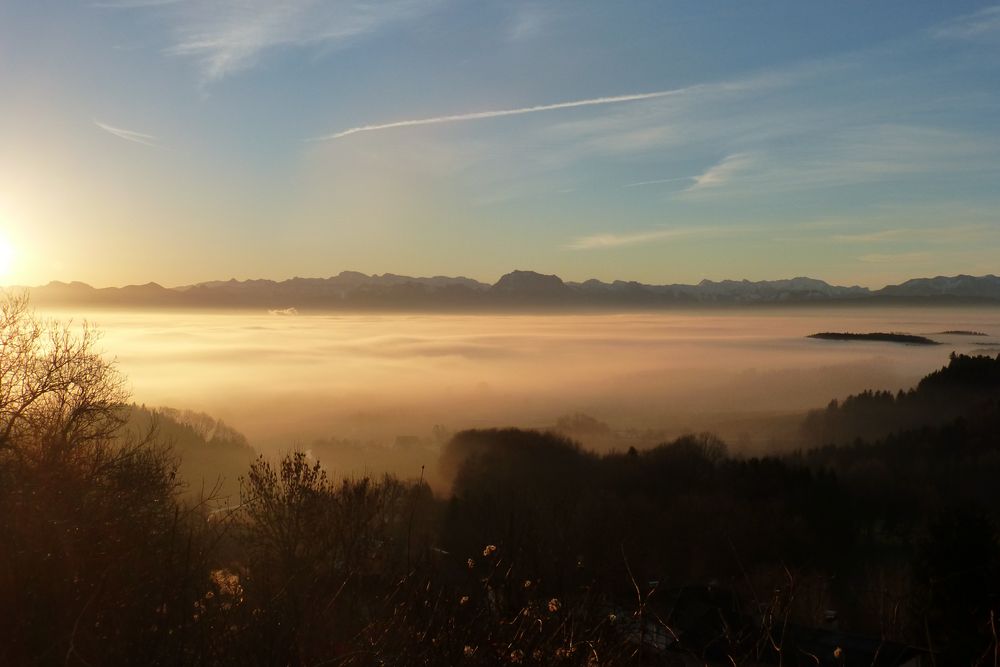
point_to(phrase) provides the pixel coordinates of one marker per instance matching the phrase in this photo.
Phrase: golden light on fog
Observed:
(284, 378)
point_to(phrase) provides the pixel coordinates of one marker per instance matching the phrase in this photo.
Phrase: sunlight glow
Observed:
(6, 258)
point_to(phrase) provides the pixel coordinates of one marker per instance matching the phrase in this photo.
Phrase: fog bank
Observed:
(364, 381)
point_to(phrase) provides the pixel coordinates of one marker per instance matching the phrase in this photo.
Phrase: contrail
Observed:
(658, 181)
(129, 135)
(480, 115)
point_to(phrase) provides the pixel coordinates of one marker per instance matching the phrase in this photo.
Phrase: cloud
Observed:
(868, 237)
(971, 26)
(528, 21)
(719, 174)
(886, 258)
(949, 235)
(227, 36)
(129, 135)
(498, 113)
(613, 240)
(134, 4)
(776, 129)
(859, 155)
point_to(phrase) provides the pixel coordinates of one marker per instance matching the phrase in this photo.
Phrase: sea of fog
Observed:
(288, 380)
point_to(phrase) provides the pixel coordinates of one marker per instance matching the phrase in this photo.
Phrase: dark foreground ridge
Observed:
(909, 339)
(517, 290)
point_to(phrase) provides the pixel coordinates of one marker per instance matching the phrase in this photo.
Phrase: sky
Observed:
(664, 141)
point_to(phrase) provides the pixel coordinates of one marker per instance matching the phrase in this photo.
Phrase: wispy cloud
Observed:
(129, 135)
(719, 174)
(498, 113)
(528, 21)
(868, 237)
(951, 234)
(860, 155)
(227, 36)
(885, 258)
(615, 240)
(134, 4)
(971, 26)
(753, 136)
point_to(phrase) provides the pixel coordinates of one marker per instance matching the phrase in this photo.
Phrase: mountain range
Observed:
(351, 290)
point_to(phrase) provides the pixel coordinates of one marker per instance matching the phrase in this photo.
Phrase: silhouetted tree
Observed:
(89, 569)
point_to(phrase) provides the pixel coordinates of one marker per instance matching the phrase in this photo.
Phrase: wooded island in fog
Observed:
(516, 290)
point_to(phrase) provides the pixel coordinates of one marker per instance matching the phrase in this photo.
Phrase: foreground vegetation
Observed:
(542, 553)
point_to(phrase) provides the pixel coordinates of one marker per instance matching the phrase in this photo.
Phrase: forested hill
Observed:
(968, 385)
(211, 456)
(894, 536)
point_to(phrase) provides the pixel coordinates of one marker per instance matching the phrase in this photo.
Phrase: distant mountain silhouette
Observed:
(528, 287)
(351, 290)
(987, 287)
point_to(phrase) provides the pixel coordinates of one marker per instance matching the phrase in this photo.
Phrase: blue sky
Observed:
(179, 141)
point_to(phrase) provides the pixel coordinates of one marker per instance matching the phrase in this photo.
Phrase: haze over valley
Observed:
(288, 380)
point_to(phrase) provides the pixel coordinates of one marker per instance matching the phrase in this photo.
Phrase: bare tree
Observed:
(98, 560)
(58, 397)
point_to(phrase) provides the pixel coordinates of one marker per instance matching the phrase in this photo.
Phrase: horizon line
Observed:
(153, 283)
